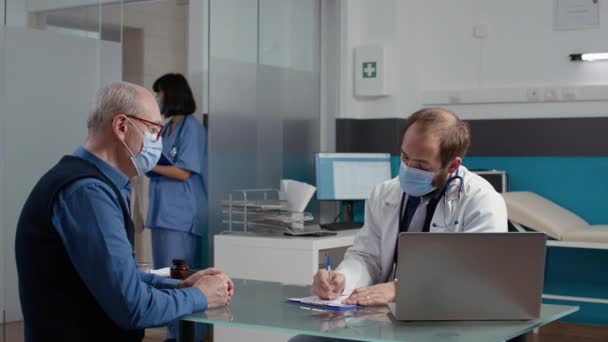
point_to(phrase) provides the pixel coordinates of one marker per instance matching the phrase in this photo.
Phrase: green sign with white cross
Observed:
(369, 69)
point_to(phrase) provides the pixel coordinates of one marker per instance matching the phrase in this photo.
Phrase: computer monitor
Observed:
(498, 179)
(350, 176)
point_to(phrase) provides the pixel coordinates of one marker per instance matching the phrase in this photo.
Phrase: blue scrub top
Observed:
(175, 204)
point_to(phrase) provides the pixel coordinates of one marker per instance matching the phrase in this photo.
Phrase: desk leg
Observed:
(186, 331)
(520, 338)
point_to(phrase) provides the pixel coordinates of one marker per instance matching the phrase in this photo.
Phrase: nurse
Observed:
(178, 211)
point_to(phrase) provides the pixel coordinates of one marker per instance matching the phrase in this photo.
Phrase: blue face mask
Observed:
(150, 153)
(415, 182)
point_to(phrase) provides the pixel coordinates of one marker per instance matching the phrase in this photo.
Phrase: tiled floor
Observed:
(554, 332)
(155, 335)
(563, 332)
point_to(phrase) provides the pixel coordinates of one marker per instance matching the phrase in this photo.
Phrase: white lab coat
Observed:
(478, 208)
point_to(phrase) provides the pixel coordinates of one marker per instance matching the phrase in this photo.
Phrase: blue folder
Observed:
(164, 160)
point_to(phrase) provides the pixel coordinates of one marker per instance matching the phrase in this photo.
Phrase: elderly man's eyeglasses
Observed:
(156, 129)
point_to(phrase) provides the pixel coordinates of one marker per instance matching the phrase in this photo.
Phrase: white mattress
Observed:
(542, 215)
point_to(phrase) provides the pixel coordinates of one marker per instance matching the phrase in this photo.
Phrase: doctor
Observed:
(433, 192)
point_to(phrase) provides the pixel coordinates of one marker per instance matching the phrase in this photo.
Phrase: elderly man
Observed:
(78, 279)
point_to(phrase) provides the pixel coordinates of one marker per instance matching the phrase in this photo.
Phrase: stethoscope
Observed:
(445, 222)
(173, 151)
(441, 195)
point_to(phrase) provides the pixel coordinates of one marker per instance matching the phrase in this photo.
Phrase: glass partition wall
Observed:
(263, 95)
(53, 57)
(254, 66)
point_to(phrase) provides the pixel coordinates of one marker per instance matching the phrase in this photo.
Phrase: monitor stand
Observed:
(348, 221)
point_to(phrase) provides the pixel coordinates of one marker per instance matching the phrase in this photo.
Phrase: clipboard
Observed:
(315, 302)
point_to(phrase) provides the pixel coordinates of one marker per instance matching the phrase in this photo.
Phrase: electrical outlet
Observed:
(533, 94)
(568, 94)
(480, 31)
(454, 98)
(551, 95)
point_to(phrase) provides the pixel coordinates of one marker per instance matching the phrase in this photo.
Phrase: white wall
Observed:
(49, 82)
(164, 24)
(433, 53)
(363, 23)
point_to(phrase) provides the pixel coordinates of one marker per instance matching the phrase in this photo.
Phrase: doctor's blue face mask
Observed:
(415, 182)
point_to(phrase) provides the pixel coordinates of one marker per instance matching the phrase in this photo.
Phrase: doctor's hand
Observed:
(326, 289)
(380, 294)
(216, 288)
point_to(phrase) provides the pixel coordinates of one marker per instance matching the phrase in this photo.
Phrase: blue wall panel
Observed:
(579, 184)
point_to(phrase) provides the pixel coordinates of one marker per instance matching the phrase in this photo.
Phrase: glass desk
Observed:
(261, 305)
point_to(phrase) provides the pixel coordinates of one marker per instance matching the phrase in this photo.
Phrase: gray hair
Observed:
(111, 100)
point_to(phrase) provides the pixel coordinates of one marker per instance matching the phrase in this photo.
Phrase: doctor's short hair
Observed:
(177, 95)
(113, 99)
(453, 133)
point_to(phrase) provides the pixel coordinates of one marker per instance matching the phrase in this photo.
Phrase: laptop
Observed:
(469, 276)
